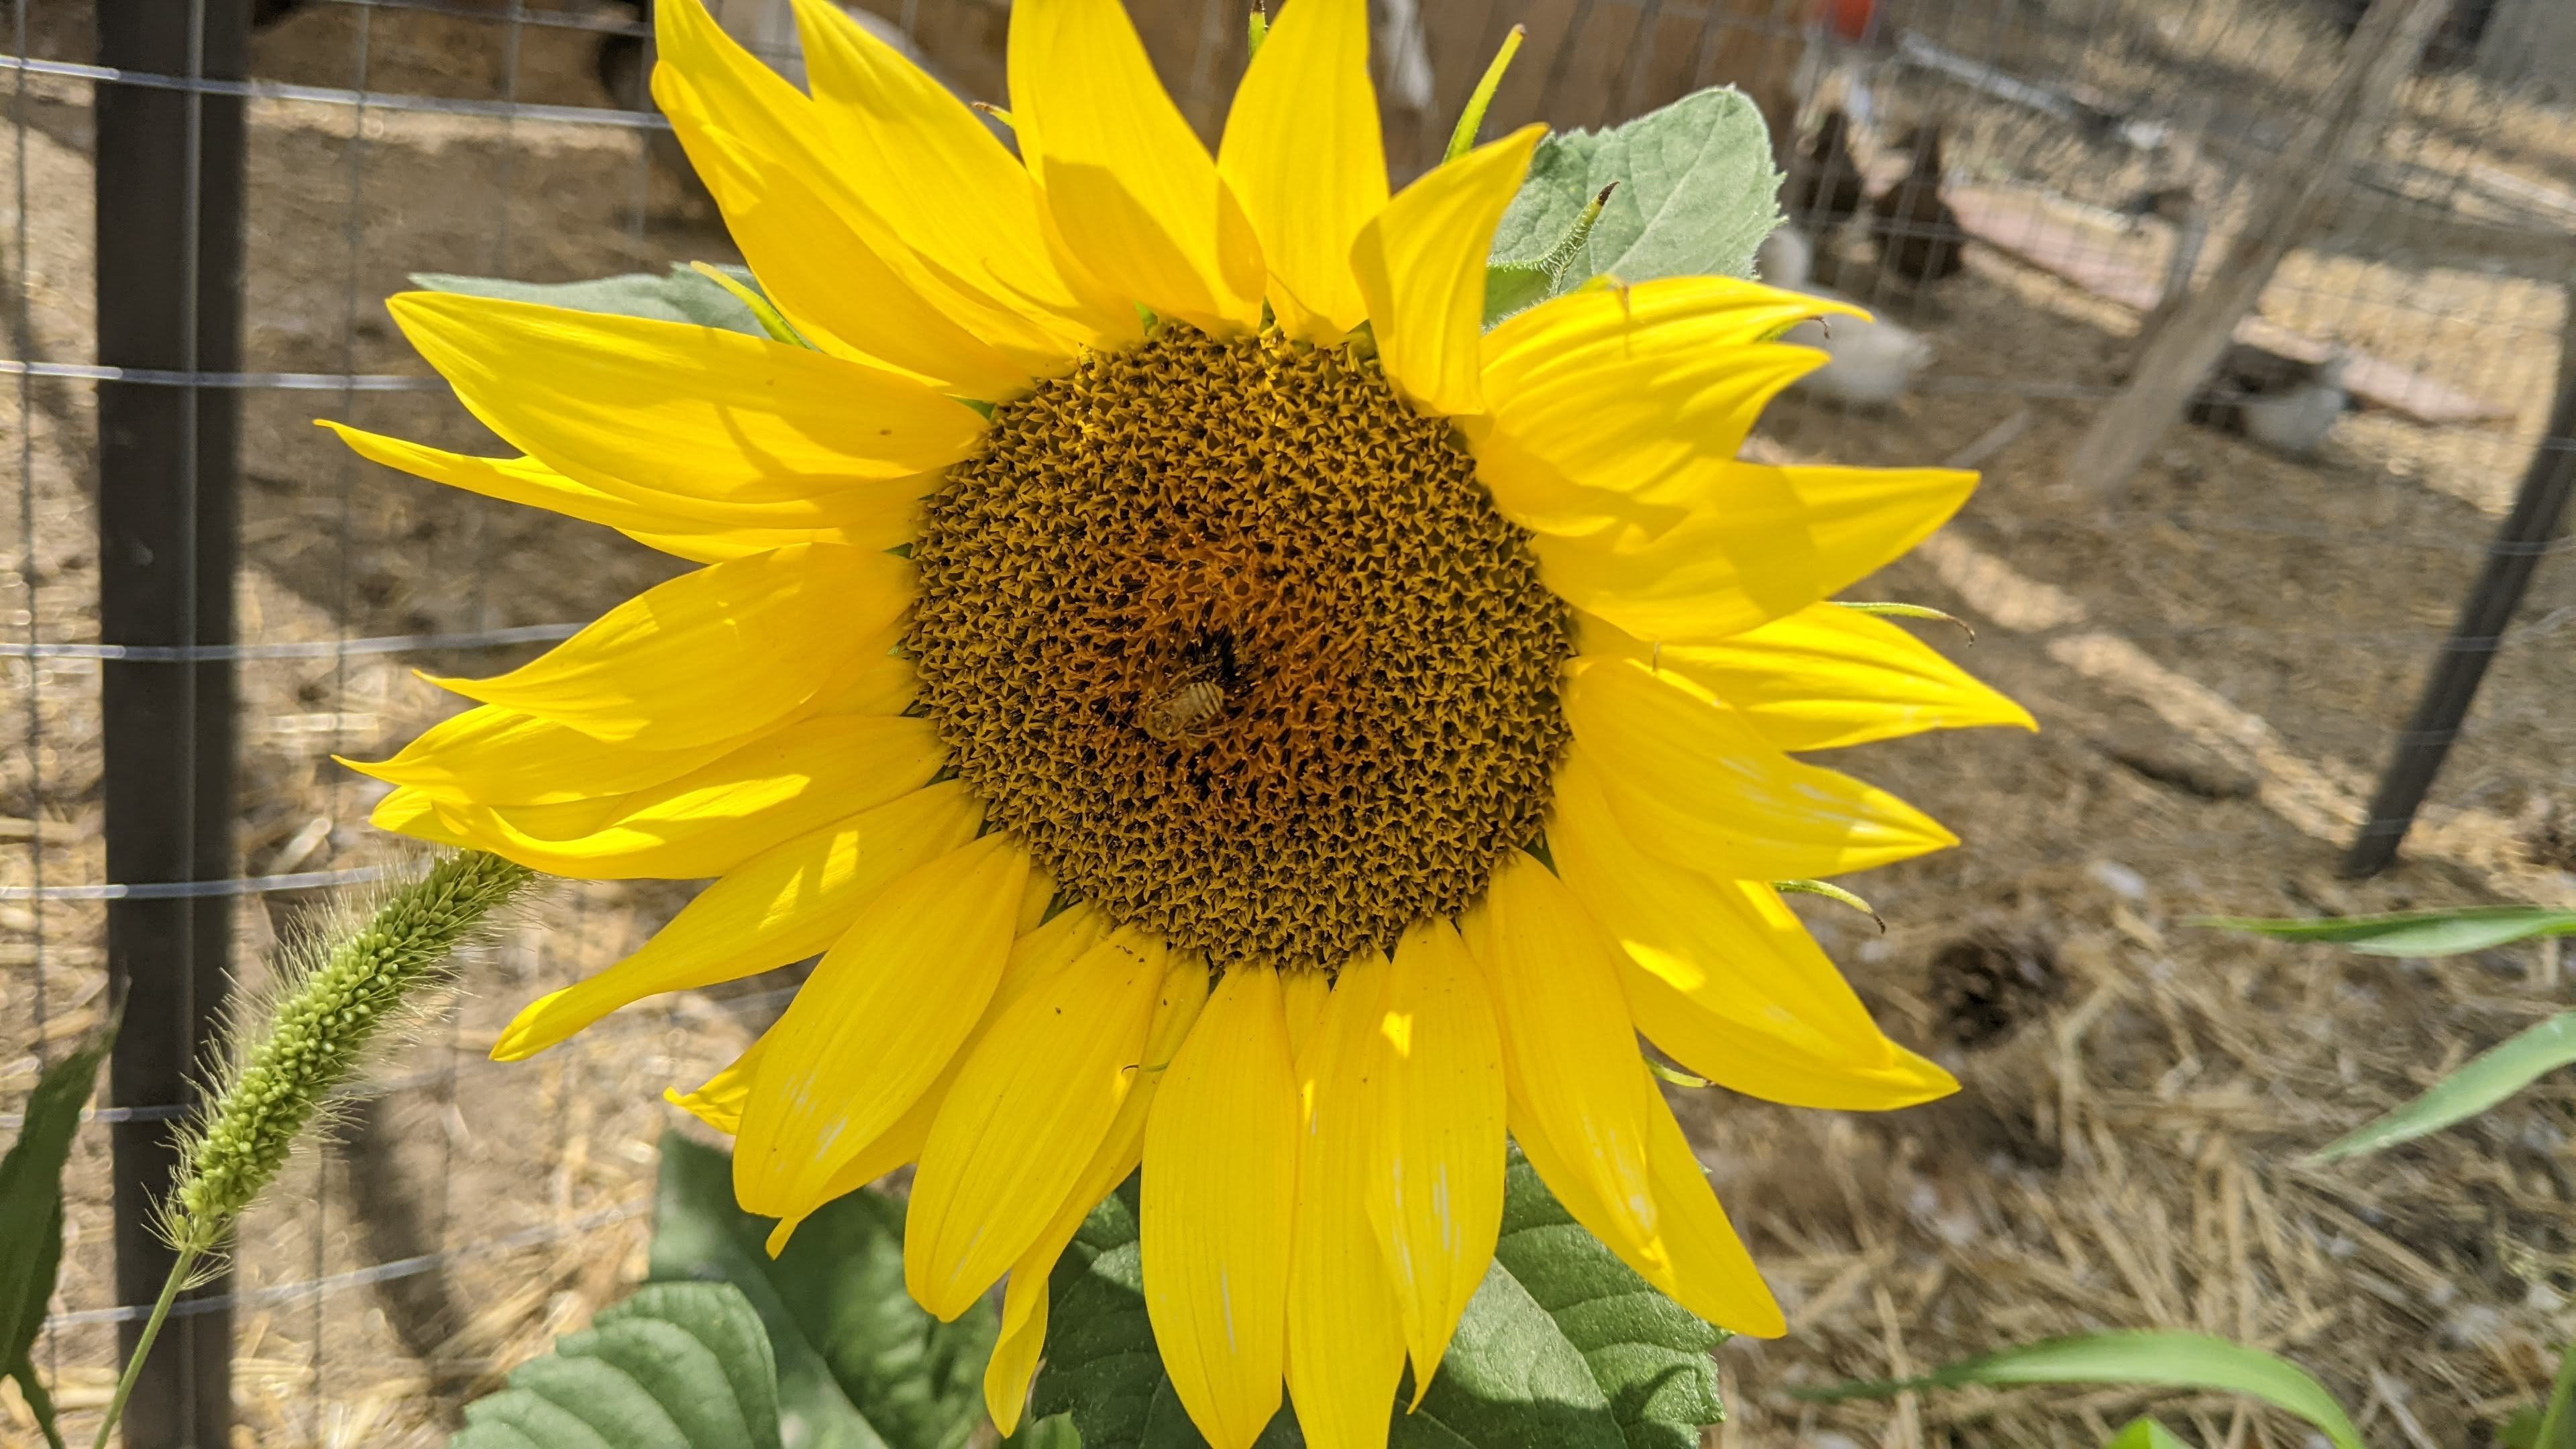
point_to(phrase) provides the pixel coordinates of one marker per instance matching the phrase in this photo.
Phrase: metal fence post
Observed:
(2525, 535)
(169, 215)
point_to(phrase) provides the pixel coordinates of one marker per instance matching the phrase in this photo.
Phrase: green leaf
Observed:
(2146, 1434)
(1515, 287)
(2449, 932)
(1697, 193)
(1563, 1347)
(2180, 1360)
(1055, 1431)
(2481, 1082)
(676, 1366)
(31, 1210)
(683, 296)
(859, 1365)
(2522, 1431)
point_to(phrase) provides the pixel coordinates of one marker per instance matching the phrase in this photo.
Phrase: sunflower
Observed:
(1210, 702)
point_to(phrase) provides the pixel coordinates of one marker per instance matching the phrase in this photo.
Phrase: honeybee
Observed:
(1181, 708)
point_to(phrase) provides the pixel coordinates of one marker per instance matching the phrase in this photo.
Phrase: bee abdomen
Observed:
(1181, 709)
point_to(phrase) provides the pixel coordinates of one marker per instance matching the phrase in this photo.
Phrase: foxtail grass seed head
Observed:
(328, 1012)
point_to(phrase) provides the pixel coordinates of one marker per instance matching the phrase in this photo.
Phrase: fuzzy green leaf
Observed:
(31, 1209)
(859, 1365)
(1696, 194)
(676, 1366)
(2177, 1360)
(683, 296)
(2451, 932)
(2481, 1082)
(1562, 1348)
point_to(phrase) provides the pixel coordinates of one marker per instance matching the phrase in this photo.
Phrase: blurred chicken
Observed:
(1874, 362)
(1919, 237)
(1823, 189)
(2287, 404)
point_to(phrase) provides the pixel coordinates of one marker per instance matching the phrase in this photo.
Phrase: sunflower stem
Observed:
(1463, 140)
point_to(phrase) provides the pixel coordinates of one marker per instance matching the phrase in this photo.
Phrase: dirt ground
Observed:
(2220, 656)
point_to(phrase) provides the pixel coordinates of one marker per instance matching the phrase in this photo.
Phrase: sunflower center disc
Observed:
(1234, 640)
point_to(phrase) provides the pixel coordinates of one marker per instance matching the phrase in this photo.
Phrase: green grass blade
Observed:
(2483, 1081)
(2178, 1360)
(2145, 1433)
(2448, 932)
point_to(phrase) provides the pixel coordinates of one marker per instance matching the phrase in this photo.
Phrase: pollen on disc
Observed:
(1234, 639)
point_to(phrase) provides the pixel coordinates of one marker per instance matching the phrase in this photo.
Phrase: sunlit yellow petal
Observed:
(1435, 1184)
(1138, 198)
(679, 408)
(949, 189)
(1421, 265)
(1692, 777)
(718, 1101)
(1345, 1331)
(1825, 677)
(716, 817)
(878, 1020)
(782, 905)
(1703, 1265)
(877, 517)
(1628, 388)
(1769, 542)
(1024, 1303)
(1220, 1178)
(1025, 1117)
(712, 654)
(1722, 976)
(1303, 154)
(498, 756)
(1569, 1048)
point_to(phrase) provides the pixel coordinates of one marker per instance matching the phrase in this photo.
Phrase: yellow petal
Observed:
(888, 1150)
(1302, 152)
(710, 655)
(1655, 429)
(950, 190)
(1703, 1265)
(718, 1102)
(1137, 197)
(1768, 542)
(1825, 677)
(829, 263)
(698, 411)
(1568, 1046)
(1024, 1304)
(495, 756)
(878, 679)
(779, 906)
(1625, 388)
(1435, 1183)
(714, 818)
(1345, 1331)
(878, 1020)
(1220, 1175)
(1421, 265)
(1691, 776)
(1024, 1119)
(876, 517)
(1722, 976)
(1302, 996)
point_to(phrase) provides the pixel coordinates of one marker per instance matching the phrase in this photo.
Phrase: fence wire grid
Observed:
(2223, 653)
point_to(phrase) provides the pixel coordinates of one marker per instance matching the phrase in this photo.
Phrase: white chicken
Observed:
(1874, 362)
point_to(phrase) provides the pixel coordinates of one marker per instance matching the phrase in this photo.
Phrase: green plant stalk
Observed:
(1463, 139)
(180, 1270)
(319, 1033)
(2558, 1421)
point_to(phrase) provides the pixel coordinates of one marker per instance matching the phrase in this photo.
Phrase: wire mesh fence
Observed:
(2223, 650)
